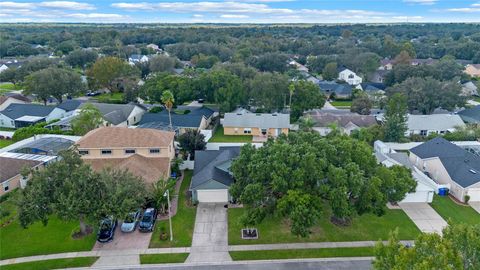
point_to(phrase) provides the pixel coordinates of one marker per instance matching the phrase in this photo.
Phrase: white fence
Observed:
(187, 165)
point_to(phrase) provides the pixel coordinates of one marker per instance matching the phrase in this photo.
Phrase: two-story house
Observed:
(349, 76)
(146, 153)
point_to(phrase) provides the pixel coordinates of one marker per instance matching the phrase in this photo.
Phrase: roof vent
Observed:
(473, 171)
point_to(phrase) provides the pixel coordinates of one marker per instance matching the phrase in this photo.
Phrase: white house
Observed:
(349, 76)
(3, 67)
(137, 58)
(425, 125)
(22, 115)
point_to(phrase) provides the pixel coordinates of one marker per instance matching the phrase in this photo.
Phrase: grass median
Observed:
(301, 253)
(52, 264)
(163, 258)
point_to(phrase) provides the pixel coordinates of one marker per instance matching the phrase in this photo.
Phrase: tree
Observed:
(55, 82)
(270, 62)
(268, 91)
(361, 105)
(158, 193)
(88, 119)
(330, 71)
(396, 118)
(306, 123)
(306, 96)
(403, 58)
(106, 70)
(291, 91)
(168, 100)
(191, 141)
(81, 58)
(71, 190)
(161, 63)
(204, 61)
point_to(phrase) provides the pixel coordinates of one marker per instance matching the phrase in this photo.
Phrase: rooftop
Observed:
(10, 167)
(434, 122)
(259, 120)
(45, 146)
(15, 110)
(214, 165)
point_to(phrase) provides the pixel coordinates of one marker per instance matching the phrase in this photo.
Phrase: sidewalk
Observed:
(309, 245)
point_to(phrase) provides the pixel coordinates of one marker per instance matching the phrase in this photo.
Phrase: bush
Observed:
(156, 109)
(466, 198)
(27, 132)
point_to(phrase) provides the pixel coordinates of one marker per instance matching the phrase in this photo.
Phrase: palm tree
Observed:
(291, 89)
(167, 100)
(306, 123)
(158, 193)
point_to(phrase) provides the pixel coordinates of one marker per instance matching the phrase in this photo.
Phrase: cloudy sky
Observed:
(241, 11)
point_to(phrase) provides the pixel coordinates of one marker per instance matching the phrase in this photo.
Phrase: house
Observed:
(153, 47)
(212, 176)
(298, 66)
(10, 98)
(386, 64)
(260, 125)
(372, 88)
(471, 115)
(425, 186)
(469, 89)
(22, 115)
(344, 120)
(428, 61)
(379, 76)
(448, 163)
(3, 67)
(472, 70)
(425, 125)
(70, 107)
(334, 89)
(349, 76)
(10, 172)
(197, 118)
(137, 58)
(146, 153)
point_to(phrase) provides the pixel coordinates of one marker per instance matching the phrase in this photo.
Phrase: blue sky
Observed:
(241, 11)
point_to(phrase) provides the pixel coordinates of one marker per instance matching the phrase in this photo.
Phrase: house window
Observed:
(106, 152)
(247, 131)
(83, 152)
(155, 151)
(423, 132)
(6, 187)
(129, 151)
(264, 131)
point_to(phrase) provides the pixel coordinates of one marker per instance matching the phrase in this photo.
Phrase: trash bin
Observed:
(443, 191)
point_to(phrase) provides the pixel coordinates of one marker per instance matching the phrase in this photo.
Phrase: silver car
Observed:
(130, 222)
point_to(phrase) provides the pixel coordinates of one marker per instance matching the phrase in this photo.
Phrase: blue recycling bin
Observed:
(443, 191)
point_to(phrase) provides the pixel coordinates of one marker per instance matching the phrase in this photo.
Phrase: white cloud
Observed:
(69, 5)
(473, 8)
(15, 5)
(233, 16)
(421, 2)
(95, 16)
(198, 16)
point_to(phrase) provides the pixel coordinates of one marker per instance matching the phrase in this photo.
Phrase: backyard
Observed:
(454, 212)
(365, 227)
(183, 222)
(218, 136)
(5, 143)
(110, 98)
(341, 103)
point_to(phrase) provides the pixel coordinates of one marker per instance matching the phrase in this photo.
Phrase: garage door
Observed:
(474, 195)
(212, 195)
(418, 196)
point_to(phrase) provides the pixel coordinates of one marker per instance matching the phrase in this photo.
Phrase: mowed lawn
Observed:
(365, 227)
(163, 258)
(5, 143)
(37, 239)
(454, 212)
(52, 264)
(341, 103)
(182, 223)
(301, 253)
(218, 136)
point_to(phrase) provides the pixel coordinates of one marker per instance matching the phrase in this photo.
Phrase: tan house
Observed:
(256, 124)
(472, 70)
(449, 164)
(10, 169)
(7, 99)
(146, 153)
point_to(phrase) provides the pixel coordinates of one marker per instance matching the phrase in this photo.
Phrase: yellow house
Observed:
(256, 124)
(146, 153)
(473, 70)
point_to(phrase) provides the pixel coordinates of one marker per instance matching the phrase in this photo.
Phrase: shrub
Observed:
(466, 198)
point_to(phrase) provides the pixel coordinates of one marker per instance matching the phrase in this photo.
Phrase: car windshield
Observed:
(130, 218)
(147, 218)
(105, 226)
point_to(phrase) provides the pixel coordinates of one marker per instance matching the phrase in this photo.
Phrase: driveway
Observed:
(210, 236)
(475, 206)
(424, 216)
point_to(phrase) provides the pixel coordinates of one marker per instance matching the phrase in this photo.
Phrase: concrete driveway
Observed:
(475, 206)
(210, 236)
(424, 216)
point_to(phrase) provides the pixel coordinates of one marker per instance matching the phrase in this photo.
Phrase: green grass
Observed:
(218, 136)
(182, 223)
(341, 103)
(163, 258)
(8, 208)
(477, 99)
(7, 87)
(363, 228)
(109, 98)
(5, 143)
(450, 210)
(52, 264)
(301, 253)
(37, 239)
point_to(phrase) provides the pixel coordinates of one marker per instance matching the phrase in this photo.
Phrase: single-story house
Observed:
(425, 125)
(379, 76)
(146, 153)
(472, 70)
(21, 115)
(198, 118)
(349, 76)
(260, 125)
(469, 89)
(70, 107)
(471, 115)
(447, 163)
(372, 88)
(10, 98)
(330, 88)
(212, 176)
(10, 172)
(345, 121)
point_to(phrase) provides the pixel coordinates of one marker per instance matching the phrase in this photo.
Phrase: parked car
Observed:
(147, 223)
(130, 222)
(107, 230)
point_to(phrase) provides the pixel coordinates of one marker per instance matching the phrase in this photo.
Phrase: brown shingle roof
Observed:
(10, 167)
(4, 98)
(150, 169)
(113, 137)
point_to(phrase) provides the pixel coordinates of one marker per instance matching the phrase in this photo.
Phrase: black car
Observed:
(107, 230)
(147, 223)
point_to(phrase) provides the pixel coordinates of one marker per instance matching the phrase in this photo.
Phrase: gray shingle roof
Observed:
(462, 166)
(471, 115)
(70, 105)
(334, 87)
(257, 120)
(190, 120)
(213, 165)
(341, 118)
(434, 122)
(114, 113)
(15, 110)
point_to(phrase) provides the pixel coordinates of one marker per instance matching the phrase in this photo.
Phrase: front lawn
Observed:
(301, 253)
(366, 227)
(183, 222)
(53, 264)
(5, 143)
(450, 210)
(218, 137)
(163, 258)
(8, 87)
(341, 103)
(37, 239)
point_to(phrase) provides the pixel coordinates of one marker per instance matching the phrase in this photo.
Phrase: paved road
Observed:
(304, 264)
